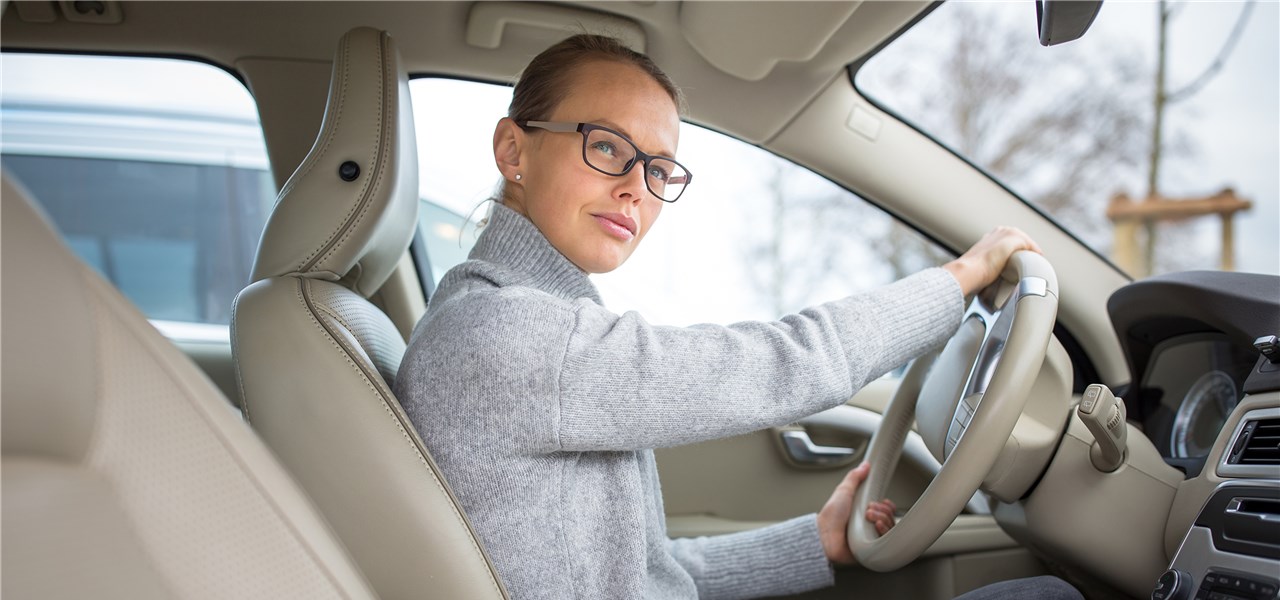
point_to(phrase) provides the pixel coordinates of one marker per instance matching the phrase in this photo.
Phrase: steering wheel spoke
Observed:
(1002, 349)
(998, 323)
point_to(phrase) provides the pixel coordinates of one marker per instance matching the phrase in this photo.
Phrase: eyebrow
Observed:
(620, 129)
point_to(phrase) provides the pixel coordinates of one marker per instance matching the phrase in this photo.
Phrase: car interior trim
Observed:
(1225, 469)
(1206, 550)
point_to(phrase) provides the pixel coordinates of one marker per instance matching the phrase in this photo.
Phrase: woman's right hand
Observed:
(982, 264)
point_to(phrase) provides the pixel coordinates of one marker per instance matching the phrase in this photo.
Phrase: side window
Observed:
(154, 171)
(755, 236)
(454, 126)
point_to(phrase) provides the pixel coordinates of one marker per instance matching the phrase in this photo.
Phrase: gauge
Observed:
(1203, 412)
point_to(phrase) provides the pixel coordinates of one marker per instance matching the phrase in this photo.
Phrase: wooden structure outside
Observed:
(1128, 215)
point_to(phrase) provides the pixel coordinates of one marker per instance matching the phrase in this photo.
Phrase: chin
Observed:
(602, 264)
(602, 268)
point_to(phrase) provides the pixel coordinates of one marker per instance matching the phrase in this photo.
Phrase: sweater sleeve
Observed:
(625, 384)
(786, 558)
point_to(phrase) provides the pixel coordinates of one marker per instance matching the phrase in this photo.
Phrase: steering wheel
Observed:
(995, 356)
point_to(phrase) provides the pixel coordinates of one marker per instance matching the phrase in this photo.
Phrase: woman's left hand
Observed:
(833, 519)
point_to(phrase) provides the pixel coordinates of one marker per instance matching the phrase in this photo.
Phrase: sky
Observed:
(1234, 121)
(1223, 136)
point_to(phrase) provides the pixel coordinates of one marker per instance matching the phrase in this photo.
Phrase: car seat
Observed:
(316, 361)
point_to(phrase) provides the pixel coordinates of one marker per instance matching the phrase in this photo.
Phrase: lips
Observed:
(618, 224)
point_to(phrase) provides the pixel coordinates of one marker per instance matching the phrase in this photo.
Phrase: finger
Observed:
(878, 514)
(855, 477)
(887, 514)
(882, 502)
(875, 519)
(882, 522)
(1024, 241)
(886, 519)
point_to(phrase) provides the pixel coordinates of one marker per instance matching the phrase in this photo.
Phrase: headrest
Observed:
(349, 211)
(50, 378)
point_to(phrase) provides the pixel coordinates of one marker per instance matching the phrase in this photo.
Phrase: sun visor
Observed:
(489, 22)
(748, 39)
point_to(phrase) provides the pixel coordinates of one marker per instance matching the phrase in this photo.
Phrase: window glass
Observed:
(1072, 128)
(449, 236)
(754, 237)
(154, 171)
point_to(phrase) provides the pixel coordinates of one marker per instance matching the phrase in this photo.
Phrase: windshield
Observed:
(1071, 128)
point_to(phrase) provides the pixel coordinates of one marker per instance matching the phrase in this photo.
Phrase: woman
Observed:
(542, 407)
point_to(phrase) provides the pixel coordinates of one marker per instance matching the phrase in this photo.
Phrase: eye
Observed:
(604, 147)
(658, 173)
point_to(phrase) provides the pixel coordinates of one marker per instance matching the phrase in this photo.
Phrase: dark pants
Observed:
(1045, 587)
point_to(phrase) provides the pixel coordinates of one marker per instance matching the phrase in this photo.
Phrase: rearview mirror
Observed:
(1065, 20)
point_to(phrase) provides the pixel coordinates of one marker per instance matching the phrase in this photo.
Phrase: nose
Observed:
(631, 186)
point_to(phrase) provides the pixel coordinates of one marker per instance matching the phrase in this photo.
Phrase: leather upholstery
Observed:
(126, 474)
(58, 368)
(316, 360)
(325, 227)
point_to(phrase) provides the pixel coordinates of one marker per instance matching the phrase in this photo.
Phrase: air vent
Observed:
(1258, 444)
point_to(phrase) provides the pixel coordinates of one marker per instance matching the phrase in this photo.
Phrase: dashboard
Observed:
(1189, 340)
(1201, 348)
(1194, 383)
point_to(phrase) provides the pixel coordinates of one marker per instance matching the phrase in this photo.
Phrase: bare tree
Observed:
(1065, 143)
(801, 238)
(1178, 234)
(814, 240)
(1061, 144)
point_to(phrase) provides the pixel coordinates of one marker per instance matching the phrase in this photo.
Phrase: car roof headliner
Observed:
(746, 68)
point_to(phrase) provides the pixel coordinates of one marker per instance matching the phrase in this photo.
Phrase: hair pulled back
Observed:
(545, 82)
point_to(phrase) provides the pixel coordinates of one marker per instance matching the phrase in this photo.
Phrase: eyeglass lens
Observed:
(613, 154)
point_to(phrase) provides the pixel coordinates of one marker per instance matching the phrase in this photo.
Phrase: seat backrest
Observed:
(126, 473)
(316, 360)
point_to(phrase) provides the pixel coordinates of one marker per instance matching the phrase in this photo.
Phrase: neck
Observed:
(514, 242)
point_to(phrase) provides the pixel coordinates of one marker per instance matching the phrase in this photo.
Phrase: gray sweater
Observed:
(542, 408)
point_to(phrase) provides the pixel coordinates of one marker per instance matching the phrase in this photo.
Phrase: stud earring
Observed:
(519, 177)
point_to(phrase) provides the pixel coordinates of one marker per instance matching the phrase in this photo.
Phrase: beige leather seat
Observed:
(126, 474)
(316, 360)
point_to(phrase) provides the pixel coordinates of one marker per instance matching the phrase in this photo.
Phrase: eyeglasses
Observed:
(611, 153)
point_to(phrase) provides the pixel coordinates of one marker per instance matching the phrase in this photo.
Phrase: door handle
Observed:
(801, 449)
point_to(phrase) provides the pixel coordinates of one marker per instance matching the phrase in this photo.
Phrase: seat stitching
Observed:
(326, 127)
(368, 346)
(329, 128)
(358, 210)
(307, 262)
(304, 293)
(335, 316)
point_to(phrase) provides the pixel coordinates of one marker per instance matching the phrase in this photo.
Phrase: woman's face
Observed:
(595, 220)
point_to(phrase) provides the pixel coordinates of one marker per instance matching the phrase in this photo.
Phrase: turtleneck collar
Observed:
(510, 240)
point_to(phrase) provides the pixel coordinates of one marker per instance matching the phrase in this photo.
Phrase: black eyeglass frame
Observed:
(640, 157)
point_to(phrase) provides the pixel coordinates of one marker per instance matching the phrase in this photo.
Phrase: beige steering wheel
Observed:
(966, 431)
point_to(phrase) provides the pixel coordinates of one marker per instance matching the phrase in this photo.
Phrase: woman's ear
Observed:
(508, 148)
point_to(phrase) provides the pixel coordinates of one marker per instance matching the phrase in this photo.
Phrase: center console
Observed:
(1232, 549)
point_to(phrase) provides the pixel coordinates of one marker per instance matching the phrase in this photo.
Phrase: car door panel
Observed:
(750, 481)
(752, 477)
